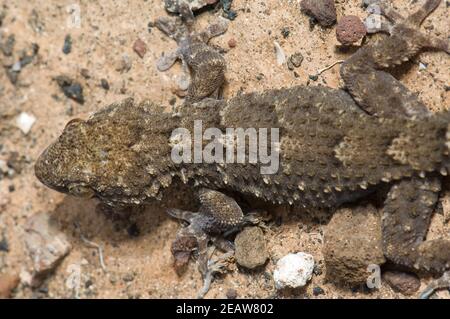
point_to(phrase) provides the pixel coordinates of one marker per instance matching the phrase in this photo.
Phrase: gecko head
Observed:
(116, 155)
(63, 165)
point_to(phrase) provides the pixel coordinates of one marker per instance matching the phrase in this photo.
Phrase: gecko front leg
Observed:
(205, 64)
(218, 214)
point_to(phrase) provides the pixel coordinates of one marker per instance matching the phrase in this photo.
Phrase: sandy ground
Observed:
(141, 266)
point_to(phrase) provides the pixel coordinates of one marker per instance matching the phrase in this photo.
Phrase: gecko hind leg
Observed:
(375, 90)
(441, 283)
(406, 218)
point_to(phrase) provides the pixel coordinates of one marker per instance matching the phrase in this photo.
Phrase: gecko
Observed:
(335, 146)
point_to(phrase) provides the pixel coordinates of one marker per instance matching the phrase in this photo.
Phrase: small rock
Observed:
(85, 73)
(16, 162)
(124, 64)
(422, 66)
(402, 282)
(71, 88)
(231, 294)
(67, 48)
(297, 59)
(290, 65)
(251, 251)
(352, 242)
(318, 291)
(128, 277)
(104, 83)
(293, 270)
(285, 32)
(232, 43)
(16, 67)
(140, 48)
(4, 246)
(46, 244)
(25, 122)
(324, 11)
(7, 284)
(350, 29)
(174, 5)
(281, 57)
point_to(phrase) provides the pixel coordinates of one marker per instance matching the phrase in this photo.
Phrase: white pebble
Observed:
(281, 57)
(17, 66)
(293, 270)
(25, 121)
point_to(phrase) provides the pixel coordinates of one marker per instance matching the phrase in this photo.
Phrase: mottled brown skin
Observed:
(333, 150)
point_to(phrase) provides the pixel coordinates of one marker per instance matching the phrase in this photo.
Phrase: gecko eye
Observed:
(73, 121)
(81, 191)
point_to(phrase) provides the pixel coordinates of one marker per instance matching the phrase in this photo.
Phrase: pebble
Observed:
(285, 32)
(67, 47)
(46, 244)
(422, 66)
(17, 66)
(232, 43)
(231, 294)
(123, 64)
(140, 48)
(4, 246)
(128, 277)
(85, 73)
(25, 121)
(71, 88)
(293, 270)
(296, 59)
(104, 83)
(405, 283)
(8, 283)
(352, 242)
(324, 11)
(173, 5)
(251, 250)
(350, 29)
(318, 291)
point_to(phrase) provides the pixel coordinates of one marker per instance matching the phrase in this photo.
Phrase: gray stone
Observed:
(352, 242)
(251, 251)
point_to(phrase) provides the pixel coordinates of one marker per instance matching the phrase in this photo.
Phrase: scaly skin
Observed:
(333, 150)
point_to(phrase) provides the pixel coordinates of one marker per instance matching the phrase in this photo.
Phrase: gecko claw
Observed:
(440, 283)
